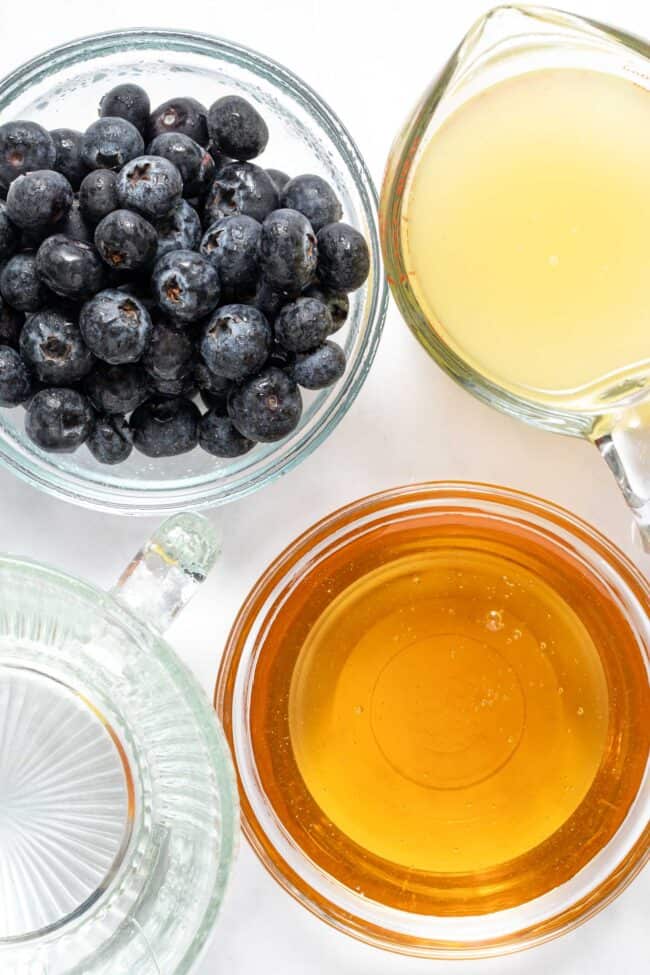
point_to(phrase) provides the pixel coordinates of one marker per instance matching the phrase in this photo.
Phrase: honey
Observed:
(450, 718)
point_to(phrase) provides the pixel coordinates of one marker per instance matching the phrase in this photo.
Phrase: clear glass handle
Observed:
(168, 569)
(626, 450)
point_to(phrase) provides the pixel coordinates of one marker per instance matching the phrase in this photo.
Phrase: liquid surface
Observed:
(436, 708)
(525, 234)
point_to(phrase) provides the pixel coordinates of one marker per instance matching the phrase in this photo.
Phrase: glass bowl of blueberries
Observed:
(191, 291)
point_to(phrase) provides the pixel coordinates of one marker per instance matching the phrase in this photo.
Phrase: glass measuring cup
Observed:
(506, 48)
(118, 812)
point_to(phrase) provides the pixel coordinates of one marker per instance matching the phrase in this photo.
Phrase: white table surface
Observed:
(370, 60)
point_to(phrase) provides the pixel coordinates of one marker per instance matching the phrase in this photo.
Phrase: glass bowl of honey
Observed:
(438, 702)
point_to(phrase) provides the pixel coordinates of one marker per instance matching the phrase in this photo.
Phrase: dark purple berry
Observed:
(11, 322)
(232, 247)
(288, 251)
(116, 389)
(127, 101)
(240, 187)
(116, 327)
(266, 407)
(98, 195)
(75, 226)
(39, 200)
(24, 147)
(237, 127)
(70, 268)
(337, 302)
(109, 143)
(111, 440)
(150, 185)
(303, 324)
(194, 163)
(343, 257)
(52, 344)
(319, 368)
(169, 355)
(185, 285)
(8, 234)
(20, 285)
(314, 197)
(185, 115)
(126, 241)
(16, 384)
(165, 427)
(68, 160)
(236, 341)
(219, 437)
(59, 420)
(179, 230)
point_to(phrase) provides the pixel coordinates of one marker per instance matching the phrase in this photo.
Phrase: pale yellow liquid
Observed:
(527, 234)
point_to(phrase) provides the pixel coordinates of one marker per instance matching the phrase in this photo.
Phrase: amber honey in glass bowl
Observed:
(446, 712)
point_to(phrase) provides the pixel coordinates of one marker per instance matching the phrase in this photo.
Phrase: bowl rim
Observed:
(237, 658)
(128, 498)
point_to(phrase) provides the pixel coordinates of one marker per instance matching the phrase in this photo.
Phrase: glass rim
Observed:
(129, 498)
(295, 873)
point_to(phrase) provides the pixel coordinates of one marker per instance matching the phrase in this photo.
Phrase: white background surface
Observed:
(370, 60)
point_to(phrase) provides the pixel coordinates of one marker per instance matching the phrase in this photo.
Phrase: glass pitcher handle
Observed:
(168, 569)
(626, 451)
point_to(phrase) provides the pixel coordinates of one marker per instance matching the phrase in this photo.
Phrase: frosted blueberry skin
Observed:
(236, 341)
(314, 198)
(16, 384)
(115, 326)
(11, 323)
(70, 268)
(185, 115)
(178, 230)
(75, 225)
(127, 101)
(219, 437)
(126, 241)
(24, 147)
(185, 286)
(288, 251)
(68, 160)
(59, 420)
(319, 368)
(266, 407)
(39, 200)
(116, 389)
(169, 356)
(240, 187)
(110, 441)
(343, 257)
(237, 127)
(303, 324)
(21, 286)
(337, 302)
(150, 185)
(9, 236)
(194, 162)
(109, 143)
(165, 427)
(232, 246)
(98, 195)
(52, 344)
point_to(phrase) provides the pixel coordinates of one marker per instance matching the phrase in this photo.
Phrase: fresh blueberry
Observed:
(11, 322)
(214, 401)
(185, 285)
(59, 420)
(110, 441)
(165, 427)
(116, 326)
(337, 302)
(314, 197)
(343, 257)
(240, 187)
(149, 184)
(179, 230)
(266, 407)
(267, 300)
(219, 157)
(127, 101)
(279, 177)
(319, 368)
(281, 357)
(237, 127)
(20, 285)
(39, 200)
(98, 195)
(51, 343)
(75, 225)
(214, 389)
(170, 354)
(116, 389)
(70, 268)
(8, 234)
(109, 143)
(185, 115)
(232, 246)
(194, 163)
(219, 437)
(68, 160)
(288, 251)
(236, 341)
(303, 324)
(15, 379)
(24, 147)
(126, 241)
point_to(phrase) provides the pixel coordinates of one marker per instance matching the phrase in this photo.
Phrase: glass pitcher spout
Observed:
(625, 447)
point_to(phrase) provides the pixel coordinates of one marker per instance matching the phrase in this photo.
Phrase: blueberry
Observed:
(219, 437)
(15, 379)
(288, 251)
(127, 101)
(185, 115)
(116, 389)
(194, 163)
(70, 268)
(237, 127)
(185, 286)
(8, 234)
(214, 389)
(219, 157)
(314, 197)
(52, 344)
(169, 355)
(110, 441)
(303, 324)
(343, 257)
(281, 357)
(98, 195)
(236, 341)
(241, 187)
(149, 184)
(75, 225)
(39, 200)
(267, 300)
(319, 368)
(116, 326)
(179, 230)
(165, 427)
(126, 241)
(11, 322)
(337, 302)
(232, 245)
(279, 177)
(68, 160)
(59, 420)
(266, 407)
(20, 285)
(109, 143)
(24, 146)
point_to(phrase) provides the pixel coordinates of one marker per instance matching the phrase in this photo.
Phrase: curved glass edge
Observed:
(503, 25)
(274, 861)
(147, 501)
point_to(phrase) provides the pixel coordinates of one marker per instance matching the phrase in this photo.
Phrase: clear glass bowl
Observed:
(451, 936)
(62, 88)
